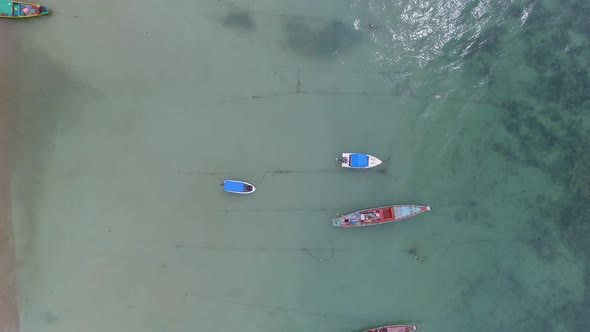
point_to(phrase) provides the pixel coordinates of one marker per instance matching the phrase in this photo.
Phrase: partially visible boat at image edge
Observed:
(20, 9)
(394, 328)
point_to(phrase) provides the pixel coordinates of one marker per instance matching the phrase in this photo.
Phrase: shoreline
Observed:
(9, 318)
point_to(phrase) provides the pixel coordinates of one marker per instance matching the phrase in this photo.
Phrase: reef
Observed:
(547, 127)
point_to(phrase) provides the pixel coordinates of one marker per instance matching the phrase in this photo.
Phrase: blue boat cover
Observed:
(359, 160)
(236, 186)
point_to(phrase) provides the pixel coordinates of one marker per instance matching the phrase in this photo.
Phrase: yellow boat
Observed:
(19, 9)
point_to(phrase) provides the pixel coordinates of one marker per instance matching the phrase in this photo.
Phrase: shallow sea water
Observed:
(125, 122)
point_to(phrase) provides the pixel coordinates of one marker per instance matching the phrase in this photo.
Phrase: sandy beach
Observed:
(124, 122)
(8, 304)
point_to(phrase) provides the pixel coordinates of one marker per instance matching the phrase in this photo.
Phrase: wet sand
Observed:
(8, 305)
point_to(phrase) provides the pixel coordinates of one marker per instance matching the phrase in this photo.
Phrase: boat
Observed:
(19, 9)
(380, 215)
(394, 328)
(358, 160)
(238, 187)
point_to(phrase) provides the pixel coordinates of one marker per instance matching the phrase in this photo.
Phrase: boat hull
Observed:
(21, 9)
(380, 215)
(394, 328)
(238, 187)
(370, 163)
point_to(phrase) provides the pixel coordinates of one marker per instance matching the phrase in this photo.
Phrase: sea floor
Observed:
(123, 123)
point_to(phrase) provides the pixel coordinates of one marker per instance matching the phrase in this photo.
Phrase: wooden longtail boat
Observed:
(19, 9)
(380, 215)
(394, 328)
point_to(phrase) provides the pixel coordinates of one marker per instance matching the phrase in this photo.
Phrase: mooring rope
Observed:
(320, 259)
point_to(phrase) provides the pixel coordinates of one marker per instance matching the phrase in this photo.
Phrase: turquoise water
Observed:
(125, 121)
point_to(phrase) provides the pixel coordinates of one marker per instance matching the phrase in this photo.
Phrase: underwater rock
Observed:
(239, 20)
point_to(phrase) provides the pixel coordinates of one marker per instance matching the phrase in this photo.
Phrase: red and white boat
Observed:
(380, 215)
(394, 328)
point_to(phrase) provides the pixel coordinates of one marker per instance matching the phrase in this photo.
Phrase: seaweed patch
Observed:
(548, 130)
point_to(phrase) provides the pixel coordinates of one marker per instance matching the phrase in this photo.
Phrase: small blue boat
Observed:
(238, 187)
(358, 160)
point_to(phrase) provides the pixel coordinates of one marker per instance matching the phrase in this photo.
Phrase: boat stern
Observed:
(44, 10)
(337, 222)
(348, 220)
(345, 160)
